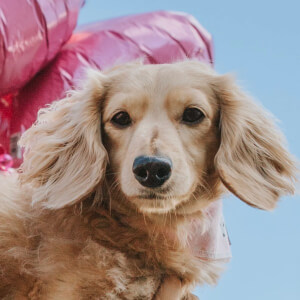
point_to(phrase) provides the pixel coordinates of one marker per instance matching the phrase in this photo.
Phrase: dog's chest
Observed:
(102, 273)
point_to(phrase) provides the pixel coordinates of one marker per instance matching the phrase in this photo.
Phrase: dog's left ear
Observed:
(64, 157)
(252, 160)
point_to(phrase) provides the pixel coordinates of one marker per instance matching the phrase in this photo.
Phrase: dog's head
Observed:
(168, 137)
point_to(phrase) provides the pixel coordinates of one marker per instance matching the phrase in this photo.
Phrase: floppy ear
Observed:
(64, 157)
(252, 160)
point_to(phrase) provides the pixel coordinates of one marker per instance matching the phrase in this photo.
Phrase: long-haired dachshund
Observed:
(113, 174)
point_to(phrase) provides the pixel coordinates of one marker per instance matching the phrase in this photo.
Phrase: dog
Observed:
(113, 173)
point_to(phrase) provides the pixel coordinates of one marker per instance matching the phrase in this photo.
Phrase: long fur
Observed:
(68, 230)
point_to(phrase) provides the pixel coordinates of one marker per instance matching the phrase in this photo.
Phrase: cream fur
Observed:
(75, 224)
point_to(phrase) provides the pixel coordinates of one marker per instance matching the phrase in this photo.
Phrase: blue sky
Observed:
(260, 42)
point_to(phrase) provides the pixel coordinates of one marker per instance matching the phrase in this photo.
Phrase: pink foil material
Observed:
(6, 102)
(31, 34)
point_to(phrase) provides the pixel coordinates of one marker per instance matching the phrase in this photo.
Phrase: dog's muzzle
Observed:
(152, 171)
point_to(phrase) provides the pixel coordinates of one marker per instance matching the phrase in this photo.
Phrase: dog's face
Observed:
(160, 124)
(167, 136)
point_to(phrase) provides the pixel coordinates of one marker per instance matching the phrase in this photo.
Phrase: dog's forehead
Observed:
(156, 89)
(157, 78)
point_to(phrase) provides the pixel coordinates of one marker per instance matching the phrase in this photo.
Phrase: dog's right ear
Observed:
(64, 157)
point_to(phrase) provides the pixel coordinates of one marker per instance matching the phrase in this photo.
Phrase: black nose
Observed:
(152, 171)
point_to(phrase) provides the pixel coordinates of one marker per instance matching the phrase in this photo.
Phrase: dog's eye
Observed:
(121, 119)
(192, 115)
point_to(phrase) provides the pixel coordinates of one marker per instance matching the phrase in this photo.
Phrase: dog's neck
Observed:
(149, 242)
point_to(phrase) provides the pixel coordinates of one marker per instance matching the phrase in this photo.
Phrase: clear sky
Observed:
(260, 42)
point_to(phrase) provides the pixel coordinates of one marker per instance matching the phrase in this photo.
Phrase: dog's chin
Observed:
(155, 204)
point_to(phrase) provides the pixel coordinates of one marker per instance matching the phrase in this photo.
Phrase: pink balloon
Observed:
(31, 34)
